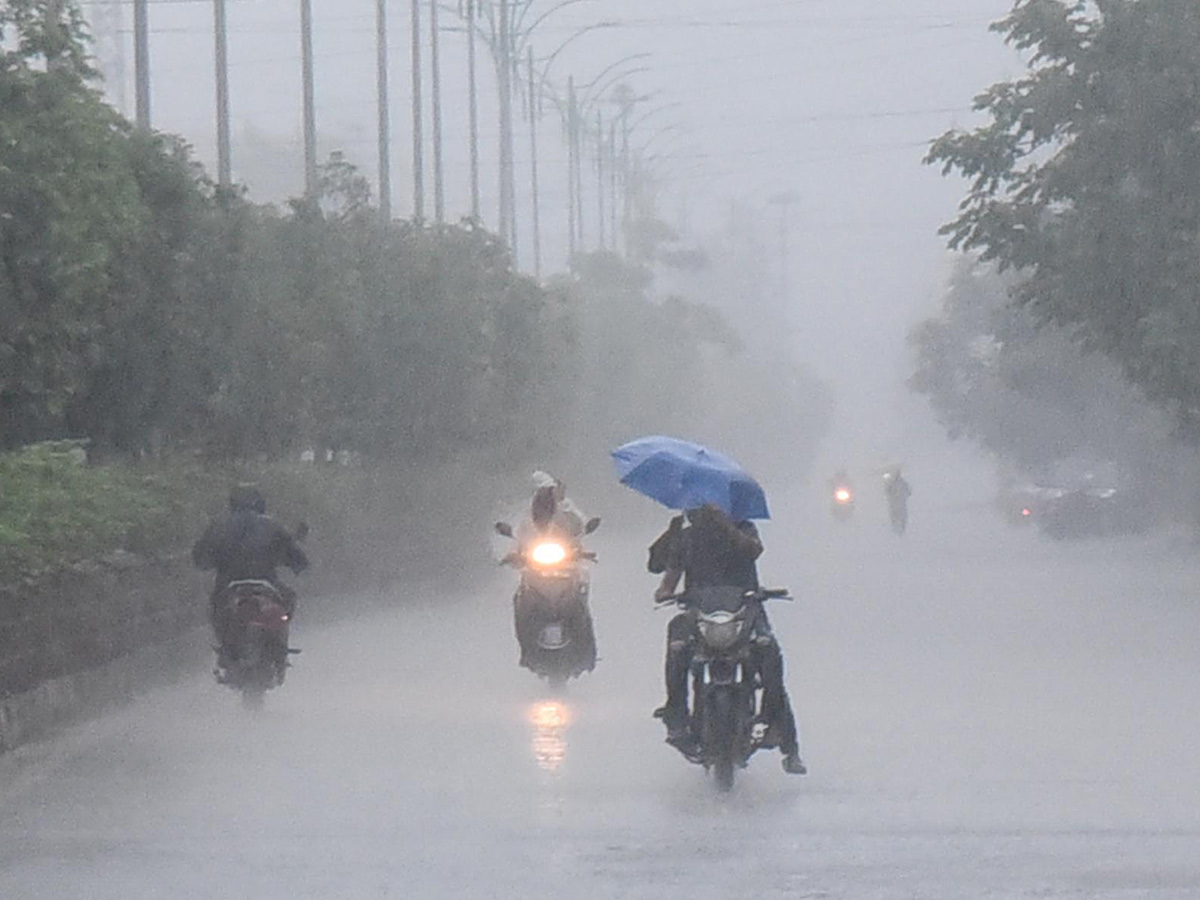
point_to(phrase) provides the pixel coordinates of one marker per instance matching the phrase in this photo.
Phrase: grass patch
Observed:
(55, 509)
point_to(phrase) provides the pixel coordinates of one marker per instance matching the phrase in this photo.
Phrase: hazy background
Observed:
(832, 100)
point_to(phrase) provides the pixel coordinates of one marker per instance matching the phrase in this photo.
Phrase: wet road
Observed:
(1019, 721)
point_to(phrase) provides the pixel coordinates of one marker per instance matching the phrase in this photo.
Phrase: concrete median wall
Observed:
(90, 636)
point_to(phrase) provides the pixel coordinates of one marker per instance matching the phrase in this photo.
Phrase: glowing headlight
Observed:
(548, 554)
(841, 495)
(720, 630)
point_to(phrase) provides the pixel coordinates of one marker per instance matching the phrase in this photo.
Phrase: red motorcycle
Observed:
(257, 639)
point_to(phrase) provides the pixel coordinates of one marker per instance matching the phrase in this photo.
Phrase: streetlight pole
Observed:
(504, 71)
(439, 187)
(473, 112)
(141, 61)
(310, 114)
(602, 240)
(572, 210)
(417, 117)
(385, 126)
(533, 173)
(220, 34)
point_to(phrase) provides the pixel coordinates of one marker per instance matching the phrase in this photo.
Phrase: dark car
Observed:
(1081, 499)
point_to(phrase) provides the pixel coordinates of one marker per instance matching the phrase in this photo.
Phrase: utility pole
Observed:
(473, 111)
(504, 71)
(625, 100)
(385, 122)
(439, 187)
(578, 175)
(418, 133)
(141, 61)
(600, 179)
(612, 179)
(533, 172)
(221, 35)
(571, 210)
(310, 114)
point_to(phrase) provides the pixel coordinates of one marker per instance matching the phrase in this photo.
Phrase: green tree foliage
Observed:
(1027, 392)
(1086, 182)
(68, 199)
(143, 309)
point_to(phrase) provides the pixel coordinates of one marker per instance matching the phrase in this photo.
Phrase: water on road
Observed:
(983, 714)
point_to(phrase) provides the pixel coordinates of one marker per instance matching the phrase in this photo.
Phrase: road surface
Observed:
(983, 714)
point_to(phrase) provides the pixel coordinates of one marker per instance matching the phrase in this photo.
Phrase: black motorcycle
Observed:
(553, 621)
(726, 681)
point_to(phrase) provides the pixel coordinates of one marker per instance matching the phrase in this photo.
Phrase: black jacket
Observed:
(247, 545)
(712, 552)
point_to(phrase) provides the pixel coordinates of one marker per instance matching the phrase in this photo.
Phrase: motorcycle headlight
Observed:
(842, 495)
(548, 554)
(720, 630)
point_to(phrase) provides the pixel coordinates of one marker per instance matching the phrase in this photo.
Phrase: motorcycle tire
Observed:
(253, 698)
(720, 737)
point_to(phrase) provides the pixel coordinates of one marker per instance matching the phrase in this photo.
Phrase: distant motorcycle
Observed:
(258, 655)
(726, 683)
(842, 503)
(551, 606)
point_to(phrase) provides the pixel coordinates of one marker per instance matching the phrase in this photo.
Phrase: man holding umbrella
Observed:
(716, 546)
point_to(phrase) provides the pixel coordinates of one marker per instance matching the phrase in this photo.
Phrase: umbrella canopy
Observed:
(682, 475)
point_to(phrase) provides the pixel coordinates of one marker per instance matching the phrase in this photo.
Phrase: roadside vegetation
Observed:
(1071, 327)
(187, 336)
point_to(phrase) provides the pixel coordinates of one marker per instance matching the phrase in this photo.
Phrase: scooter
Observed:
(258, 620)
(554, 624)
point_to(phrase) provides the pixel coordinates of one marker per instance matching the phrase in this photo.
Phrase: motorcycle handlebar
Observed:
(760, 595)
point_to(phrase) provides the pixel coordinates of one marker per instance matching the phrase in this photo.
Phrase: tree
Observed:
(1030, 395)
(68, 199)
(1086, 183)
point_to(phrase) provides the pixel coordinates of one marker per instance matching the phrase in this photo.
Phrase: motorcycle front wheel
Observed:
(720, 737)
(253, 698)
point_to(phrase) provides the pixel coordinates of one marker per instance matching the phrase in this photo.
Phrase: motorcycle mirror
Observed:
(301, 531)
(592, 525)
(504, 528)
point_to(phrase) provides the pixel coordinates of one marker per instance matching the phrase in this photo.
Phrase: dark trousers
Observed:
(776, 706)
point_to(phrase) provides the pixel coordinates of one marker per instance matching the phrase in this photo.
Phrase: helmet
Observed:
(247, 498)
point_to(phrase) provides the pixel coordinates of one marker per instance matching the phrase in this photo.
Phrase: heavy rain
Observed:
(599, 448)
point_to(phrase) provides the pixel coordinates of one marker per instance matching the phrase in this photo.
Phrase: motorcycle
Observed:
(842, 505)
(726, 682)
(258, 621)
(551, 606)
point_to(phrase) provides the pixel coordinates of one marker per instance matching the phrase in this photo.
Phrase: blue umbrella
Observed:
(682, 475)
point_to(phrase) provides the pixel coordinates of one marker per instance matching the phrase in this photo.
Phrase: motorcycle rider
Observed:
(556, 511)
(898, 490)
(712, 550)
(246, 544)
(551, 515)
